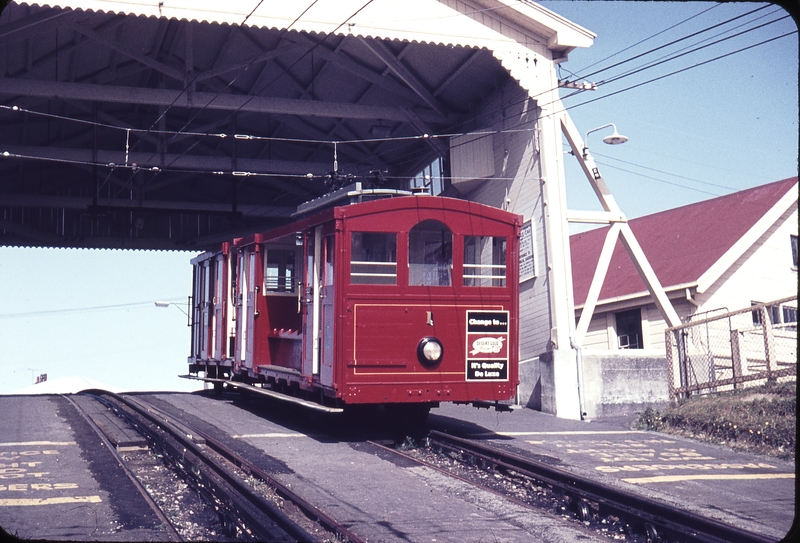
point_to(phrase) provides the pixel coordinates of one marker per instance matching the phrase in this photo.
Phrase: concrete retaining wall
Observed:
(615, 382)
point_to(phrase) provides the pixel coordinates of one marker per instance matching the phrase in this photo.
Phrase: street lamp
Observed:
(614, 139)
(167, 304)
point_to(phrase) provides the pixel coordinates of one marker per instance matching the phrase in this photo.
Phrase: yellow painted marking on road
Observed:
(699, 477)
(274, 434)
(17, 502)
(572, 433)
(25, 443)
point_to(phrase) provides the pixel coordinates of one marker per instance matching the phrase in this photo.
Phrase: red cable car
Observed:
(404, 302)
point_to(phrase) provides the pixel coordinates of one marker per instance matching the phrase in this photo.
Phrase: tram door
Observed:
(319, 296)
(244, 304)
(327, 318)
(219, 302)
(245, 308)
(205, 302)
(250, 310)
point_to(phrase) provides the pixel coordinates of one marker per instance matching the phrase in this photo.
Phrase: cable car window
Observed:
(329, 245)
(430, 254)
(373, 258)
(279, 271)
(484, 261)
(234, 275)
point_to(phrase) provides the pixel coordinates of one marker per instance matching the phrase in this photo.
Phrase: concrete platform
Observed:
(59, 482)
(379, 498)
(755, 492)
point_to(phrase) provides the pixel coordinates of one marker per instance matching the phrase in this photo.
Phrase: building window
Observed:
(794, 251)
(774, 312)
(629, 329)
(789, 314)
(431, 178)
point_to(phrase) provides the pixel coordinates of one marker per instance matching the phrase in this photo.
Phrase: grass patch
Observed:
(762, 420)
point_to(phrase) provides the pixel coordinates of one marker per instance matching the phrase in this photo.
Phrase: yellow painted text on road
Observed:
(273, 434)
(688, 467)
(707, 477)
(17, 502)
(37, 443)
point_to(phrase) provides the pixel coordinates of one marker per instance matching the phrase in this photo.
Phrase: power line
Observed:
(316, 141)
(663, 172)
(341, 141)
(684, 69)
(658, 179)
(672, 42)
(647, 39)
(67, 311)
(687, 52)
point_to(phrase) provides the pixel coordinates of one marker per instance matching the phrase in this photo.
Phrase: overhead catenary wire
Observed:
(451, 134)
(341, 141)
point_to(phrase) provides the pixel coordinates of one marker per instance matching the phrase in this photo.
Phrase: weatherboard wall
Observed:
(514, 184)
(764, 273)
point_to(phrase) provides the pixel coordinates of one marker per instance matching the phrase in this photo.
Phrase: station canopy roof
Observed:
(173, 125)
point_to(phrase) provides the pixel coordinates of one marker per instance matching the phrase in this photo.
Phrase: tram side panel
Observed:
(359, 304)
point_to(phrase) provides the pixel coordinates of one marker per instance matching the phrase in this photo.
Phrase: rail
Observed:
(189, 453)
(658, 521)
(162, 517)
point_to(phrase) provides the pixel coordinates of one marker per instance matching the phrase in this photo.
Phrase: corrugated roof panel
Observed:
(410, 20)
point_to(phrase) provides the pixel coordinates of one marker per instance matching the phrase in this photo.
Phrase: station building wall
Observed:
(511, 180)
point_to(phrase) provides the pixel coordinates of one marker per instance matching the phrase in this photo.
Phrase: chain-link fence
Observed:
(720, 350)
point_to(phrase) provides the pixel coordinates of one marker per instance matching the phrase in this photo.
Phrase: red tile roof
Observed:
(681, 244)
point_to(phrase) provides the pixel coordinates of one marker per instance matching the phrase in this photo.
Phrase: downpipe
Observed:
(579, 369)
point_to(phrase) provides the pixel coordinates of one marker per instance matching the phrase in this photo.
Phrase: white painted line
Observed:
(706, 477)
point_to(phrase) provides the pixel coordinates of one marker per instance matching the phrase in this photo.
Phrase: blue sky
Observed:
(725, 126)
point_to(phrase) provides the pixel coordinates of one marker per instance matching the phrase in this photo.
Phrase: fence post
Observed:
(769, 341)
(737, 367)
(670, 364)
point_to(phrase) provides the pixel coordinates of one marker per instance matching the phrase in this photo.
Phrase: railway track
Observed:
(226, 479)
(589, 501)
(171, 532)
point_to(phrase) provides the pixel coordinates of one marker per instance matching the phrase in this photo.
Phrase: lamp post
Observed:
(182, 310)
(614, 139)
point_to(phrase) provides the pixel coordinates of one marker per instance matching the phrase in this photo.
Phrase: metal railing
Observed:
(733, 350)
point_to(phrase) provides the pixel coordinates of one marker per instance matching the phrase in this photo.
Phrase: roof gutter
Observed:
(641, 294)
